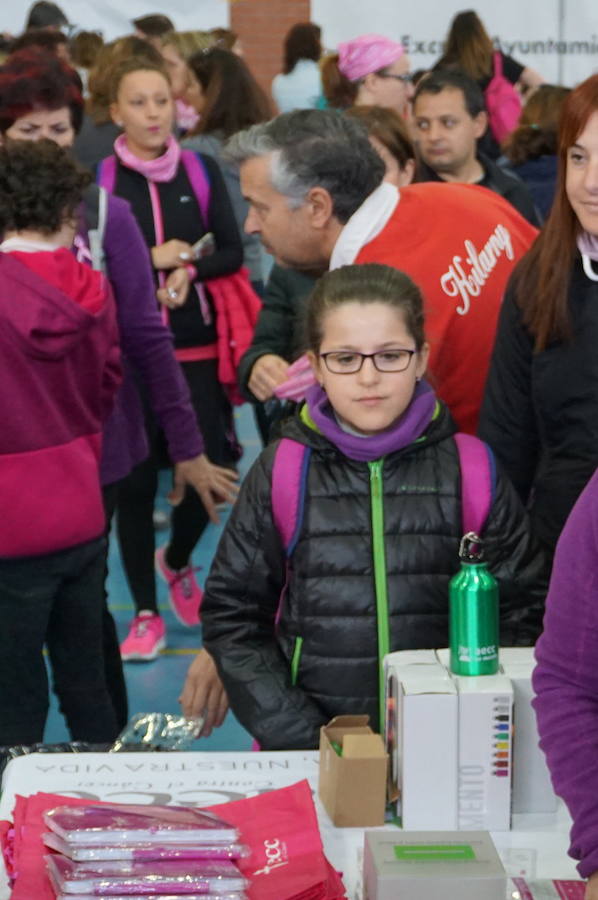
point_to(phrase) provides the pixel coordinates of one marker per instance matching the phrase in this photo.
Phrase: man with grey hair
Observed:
(318, 200)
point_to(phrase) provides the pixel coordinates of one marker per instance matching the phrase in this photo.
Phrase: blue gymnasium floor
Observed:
(155, 686)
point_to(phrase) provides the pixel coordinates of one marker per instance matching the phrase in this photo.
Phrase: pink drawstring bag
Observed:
(286, 860)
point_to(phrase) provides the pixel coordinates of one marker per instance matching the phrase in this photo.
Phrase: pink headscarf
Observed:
(366, 54)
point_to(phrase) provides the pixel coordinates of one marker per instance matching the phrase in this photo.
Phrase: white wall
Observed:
(559, 38)
(114, 17)
(532, 31)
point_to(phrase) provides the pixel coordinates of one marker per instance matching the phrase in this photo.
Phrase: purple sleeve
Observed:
(566, 676)
(145, 340)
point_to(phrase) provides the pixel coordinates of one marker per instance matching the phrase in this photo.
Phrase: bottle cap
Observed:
(471, 548)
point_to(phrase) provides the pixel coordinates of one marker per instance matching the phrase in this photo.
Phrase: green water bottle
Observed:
(473, 600)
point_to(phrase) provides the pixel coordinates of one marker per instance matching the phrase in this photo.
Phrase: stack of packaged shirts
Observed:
(127, 851)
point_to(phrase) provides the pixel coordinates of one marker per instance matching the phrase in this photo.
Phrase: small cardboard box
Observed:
(423, 699)
(485, 750)
(432, 865)
(532, 788)
(352, 786)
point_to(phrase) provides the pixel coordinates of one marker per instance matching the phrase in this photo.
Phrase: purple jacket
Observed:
(147, 346)
(59, 373)
(566, 677)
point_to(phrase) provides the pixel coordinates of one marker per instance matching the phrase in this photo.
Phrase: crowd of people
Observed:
(433, 247)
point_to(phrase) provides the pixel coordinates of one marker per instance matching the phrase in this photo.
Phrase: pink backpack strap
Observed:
(289, 480)
(497, 61)
(106, 174)
(200, 182)
(478, 482)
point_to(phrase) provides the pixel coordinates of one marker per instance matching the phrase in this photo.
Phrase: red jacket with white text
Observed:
(59, 372)
(459, 243)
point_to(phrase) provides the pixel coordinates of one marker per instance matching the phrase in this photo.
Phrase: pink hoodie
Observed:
(59, 372)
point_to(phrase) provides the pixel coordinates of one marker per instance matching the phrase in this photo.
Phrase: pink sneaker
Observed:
(184, 593)
(146, 637)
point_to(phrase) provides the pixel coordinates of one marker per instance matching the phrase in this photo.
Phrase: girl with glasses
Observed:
(379, 527)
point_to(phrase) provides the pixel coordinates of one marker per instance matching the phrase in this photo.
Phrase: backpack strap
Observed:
(199, 179)
(289, 480)
(96, 235)
(497, 63)
(478, 482)
(106, 174)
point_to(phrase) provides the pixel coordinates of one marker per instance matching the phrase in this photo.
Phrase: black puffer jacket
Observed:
(328, 630)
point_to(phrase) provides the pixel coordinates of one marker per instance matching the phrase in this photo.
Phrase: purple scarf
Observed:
(405, 431)
(161, 169)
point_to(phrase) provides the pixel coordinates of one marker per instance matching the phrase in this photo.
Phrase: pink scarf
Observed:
(161, 169)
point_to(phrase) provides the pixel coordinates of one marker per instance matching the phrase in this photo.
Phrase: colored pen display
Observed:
(501, 734)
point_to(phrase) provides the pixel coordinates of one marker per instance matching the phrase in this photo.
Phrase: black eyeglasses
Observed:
(348, 362)
(406, 79)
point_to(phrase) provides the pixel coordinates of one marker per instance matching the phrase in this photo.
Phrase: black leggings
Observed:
(113, 665)
(137, 492)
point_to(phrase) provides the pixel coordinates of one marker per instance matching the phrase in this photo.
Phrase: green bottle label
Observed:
(477, 654)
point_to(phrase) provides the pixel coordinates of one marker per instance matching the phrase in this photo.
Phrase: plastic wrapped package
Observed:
(129, 823)
(159, 731)
(145, 879)
(235, 896)
(141, 852)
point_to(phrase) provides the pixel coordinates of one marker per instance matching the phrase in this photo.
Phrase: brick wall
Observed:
(262, 26)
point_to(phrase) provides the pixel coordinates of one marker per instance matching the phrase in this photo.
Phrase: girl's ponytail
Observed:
(340, 93)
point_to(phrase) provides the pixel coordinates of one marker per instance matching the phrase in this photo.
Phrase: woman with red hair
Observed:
(540, 412)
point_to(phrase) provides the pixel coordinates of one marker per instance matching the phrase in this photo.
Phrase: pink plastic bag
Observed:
(286, 860)
(300, 377)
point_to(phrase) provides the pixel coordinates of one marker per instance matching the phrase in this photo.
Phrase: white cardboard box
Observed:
(432, 866)
(532, 788)
(520, 655)
(411, 658)
(424, 699)
(485, 750)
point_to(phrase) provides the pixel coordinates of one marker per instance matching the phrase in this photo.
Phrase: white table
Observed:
(535, 848)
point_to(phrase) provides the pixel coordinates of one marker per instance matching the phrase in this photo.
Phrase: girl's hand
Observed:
(175, 291)
(203, 693)
(171, 254)
(214, 484)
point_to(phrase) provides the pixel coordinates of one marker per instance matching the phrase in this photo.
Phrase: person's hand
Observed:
(267, 373)
(203, 693)
(171, 254)
(592, 887)
(175, 291)
(214, 484)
